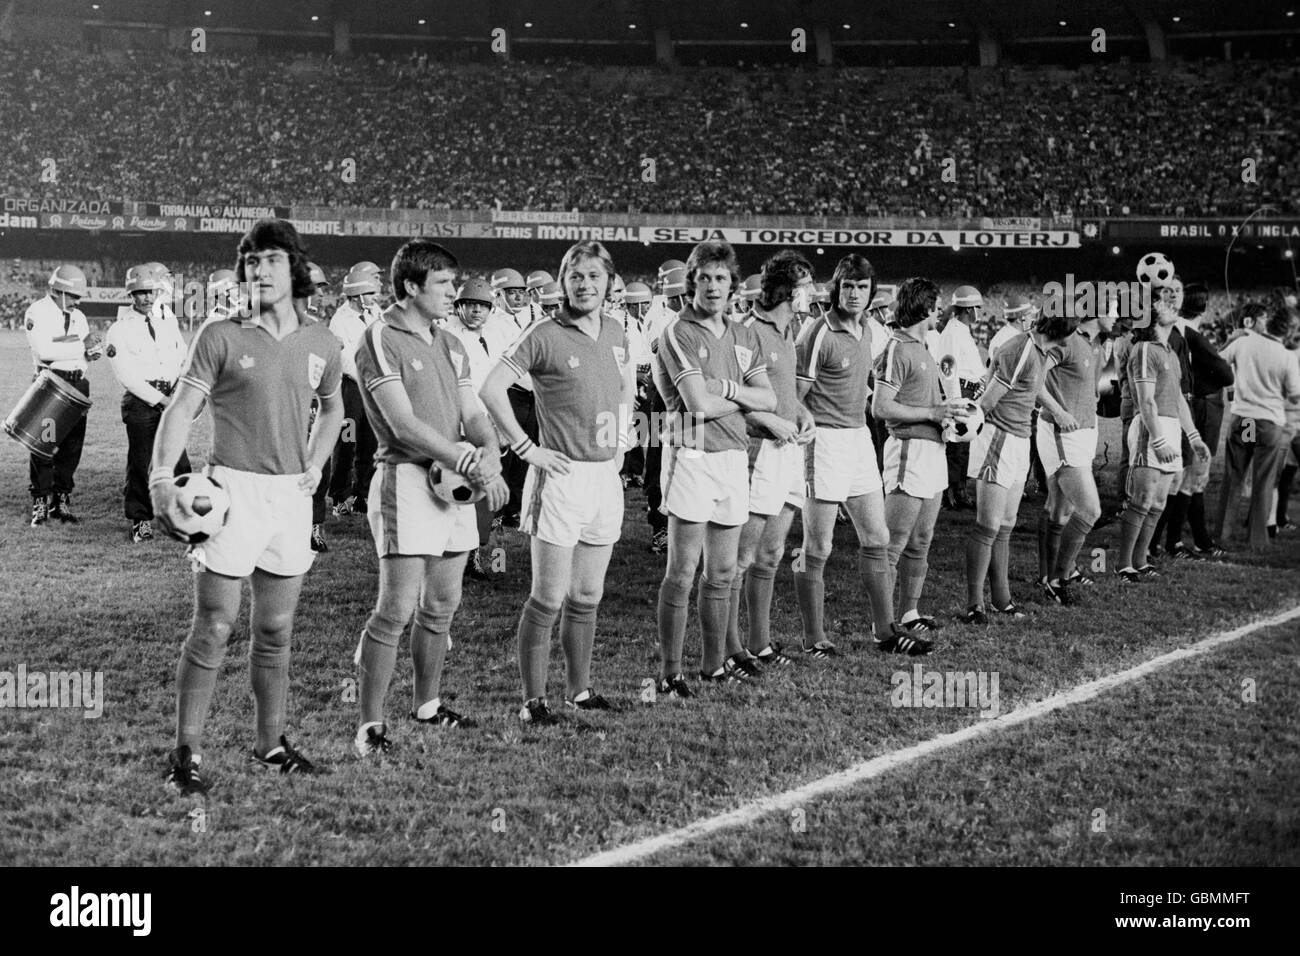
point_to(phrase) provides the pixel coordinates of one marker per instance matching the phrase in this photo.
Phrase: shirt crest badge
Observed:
(703, 352)
(246, 362)
(620, 356)
(744, 356)
(573, 361)
(844, 363)
(315, 369)
(417, 365)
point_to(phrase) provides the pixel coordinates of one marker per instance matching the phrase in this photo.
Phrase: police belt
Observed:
(71, 375)
(165, 387)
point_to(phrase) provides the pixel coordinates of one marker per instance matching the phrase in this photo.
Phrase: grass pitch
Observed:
(1187, 772)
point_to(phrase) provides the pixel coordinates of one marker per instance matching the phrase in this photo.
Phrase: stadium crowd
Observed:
(1107, 140)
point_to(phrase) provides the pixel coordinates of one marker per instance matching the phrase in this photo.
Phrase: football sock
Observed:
(873, 566)
(715, 601)
(377, 658)
(1055, 530)
(1175, 518)
(196, 681)
(577, 637)
(672, 625)
(979, 552)
(1072, 538)
(758, 605)
(1158, 532)
(1130, 526)
(1000, 567)
(810, 590)
(535, 626)
(1143, 543)
(1044, 556)
(429, 632)
(734, 645)
(1196, 520)
(268, 665)
(911, 581)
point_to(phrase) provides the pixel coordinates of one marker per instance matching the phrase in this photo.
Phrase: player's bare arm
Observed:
(494, 396)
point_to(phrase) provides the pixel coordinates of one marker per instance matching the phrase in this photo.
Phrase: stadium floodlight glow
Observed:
(846, 26)
(744, 25)
(1060, 23)
(631, 26)
(1178, 19)
(421, 23)
(314, 19)
(1288, 254)
(1114, 250)
(207, 13)
(951, 25)
(528, 25)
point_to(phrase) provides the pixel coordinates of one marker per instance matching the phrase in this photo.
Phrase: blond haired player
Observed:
(584, 381)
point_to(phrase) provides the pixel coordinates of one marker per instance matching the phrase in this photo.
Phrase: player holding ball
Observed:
(259, 375)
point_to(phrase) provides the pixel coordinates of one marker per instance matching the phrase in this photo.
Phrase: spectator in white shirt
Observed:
(1265, 390)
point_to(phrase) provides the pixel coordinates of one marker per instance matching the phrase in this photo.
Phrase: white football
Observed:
(451, 486)
(203, 507)
(1156, 268)
(965, 429)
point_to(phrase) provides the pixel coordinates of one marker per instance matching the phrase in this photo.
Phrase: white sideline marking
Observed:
(878, 766)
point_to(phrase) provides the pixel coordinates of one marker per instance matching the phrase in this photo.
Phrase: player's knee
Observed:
(586, 593)
(384, 627)
(679, 577)
(768, 559)
(207, 642)
(435, 616)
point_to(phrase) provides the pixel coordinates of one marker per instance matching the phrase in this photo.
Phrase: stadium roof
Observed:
(717, 22)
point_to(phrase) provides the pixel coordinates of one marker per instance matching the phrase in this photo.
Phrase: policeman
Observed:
(536, 281)
(311, 308)
(223, 299)
(356, 444)
(62, 343)
(146, 352)
(512, 305)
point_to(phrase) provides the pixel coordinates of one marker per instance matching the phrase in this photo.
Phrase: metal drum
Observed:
(50, 409)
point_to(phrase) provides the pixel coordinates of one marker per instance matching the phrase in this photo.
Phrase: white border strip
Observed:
(878, 766)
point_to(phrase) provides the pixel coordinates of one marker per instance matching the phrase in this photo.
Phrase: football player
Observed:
(909, 401)
(258, 375)
(420, 396)
(1155, 437)
(776, 489)
(999, 459)
(710, 371)
(1073, 504)
(585, 385)
(840, 463)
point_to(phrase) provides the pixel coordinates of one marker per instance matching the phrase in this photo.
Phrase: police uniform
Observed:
(705, 472)
(405, 516)
(355, 451)
(522, 403)
(835, 362)
(57, 341)
(260, 390)
(146, 353)
(578, 381)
